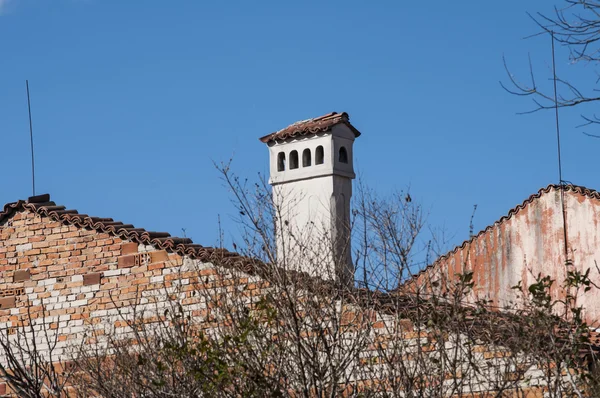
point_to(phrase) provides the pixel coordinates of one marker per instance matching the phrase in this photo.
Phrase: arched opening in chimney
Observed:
(306, 158)
(280, 161)
(343, 155)
(319, 155)
(293, 160)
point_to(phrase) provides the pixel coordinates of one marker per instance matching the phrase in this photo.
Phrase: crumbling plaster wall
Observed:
(527, 243)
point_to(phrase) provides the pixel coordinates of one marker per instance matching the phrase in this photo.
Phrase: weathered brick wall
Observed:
(81, 275)
(88, 279)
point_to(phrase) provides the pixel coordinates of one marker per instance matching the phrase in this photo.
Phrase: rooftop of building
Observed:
(321, 124)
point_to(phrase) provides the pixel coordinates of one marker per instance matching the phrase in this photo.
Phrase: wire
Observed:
(31, 139)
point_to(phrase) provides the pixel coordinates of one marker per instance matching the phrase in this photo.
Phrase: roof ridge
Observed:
(43, 206)
(314, 125)
(591, 193)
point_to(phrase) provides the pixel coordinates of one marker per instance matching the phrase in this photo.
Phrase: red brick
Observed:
(154, 266)
(159, 256)
(126, 261)
(92, 278)
(7, 302)
(129, 248)
(21, 275)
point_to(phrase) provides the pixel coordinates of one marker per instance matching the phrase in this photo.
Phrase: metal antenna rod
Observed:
(31, 139)
(560, 179)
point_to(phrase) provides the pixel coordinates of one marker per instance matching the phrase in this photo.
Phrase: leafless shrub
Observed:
(261, 327)
(31, 363)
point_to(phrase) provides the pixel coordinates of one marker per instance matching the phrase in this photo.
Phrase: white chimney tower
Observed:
(311, 175)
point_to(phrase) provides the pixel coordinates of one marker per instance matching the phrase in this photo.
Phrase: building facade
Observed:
(552, 232)
(75, 275)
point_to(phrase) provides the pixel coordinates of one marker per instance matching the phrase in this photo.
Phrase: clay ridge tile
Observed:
(316, 125)
(587, 192)
(43, 206)
(186, 247)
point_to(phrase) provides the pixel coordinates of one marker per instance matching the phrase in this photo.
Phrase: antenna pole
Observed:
(560, 179)
(31, 139)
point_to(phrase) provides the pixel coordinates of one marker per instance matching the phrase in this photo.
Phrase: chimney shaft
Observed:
(311, 173)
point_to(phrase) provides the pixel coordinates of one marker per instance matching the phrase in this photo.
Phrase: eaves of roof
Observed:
(385, 302)
(316, 125)
(43, 206)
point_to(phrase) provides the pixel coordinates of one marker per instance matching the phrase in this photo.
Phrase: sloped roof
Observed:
(388, 302)
(43, 206)
(316, 125)
(587, 192)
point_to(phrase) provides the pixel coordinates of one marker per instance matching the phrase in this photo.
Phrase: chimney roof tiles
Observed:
(316, 125)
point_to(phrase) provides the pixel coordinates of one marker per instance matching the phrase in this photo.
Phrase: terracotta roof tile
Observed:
(319, 124)
(43, 206)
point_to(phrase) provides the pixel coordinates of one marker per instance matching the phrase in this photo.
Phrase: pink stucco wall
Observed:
(530, 241)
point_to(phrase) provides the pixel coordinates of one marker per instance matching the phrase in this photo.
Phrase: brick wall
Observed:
(81, 275)
(89, 279)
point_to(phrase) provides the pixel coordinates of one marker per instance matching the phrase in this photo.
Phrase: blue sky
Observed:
(133, 101)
